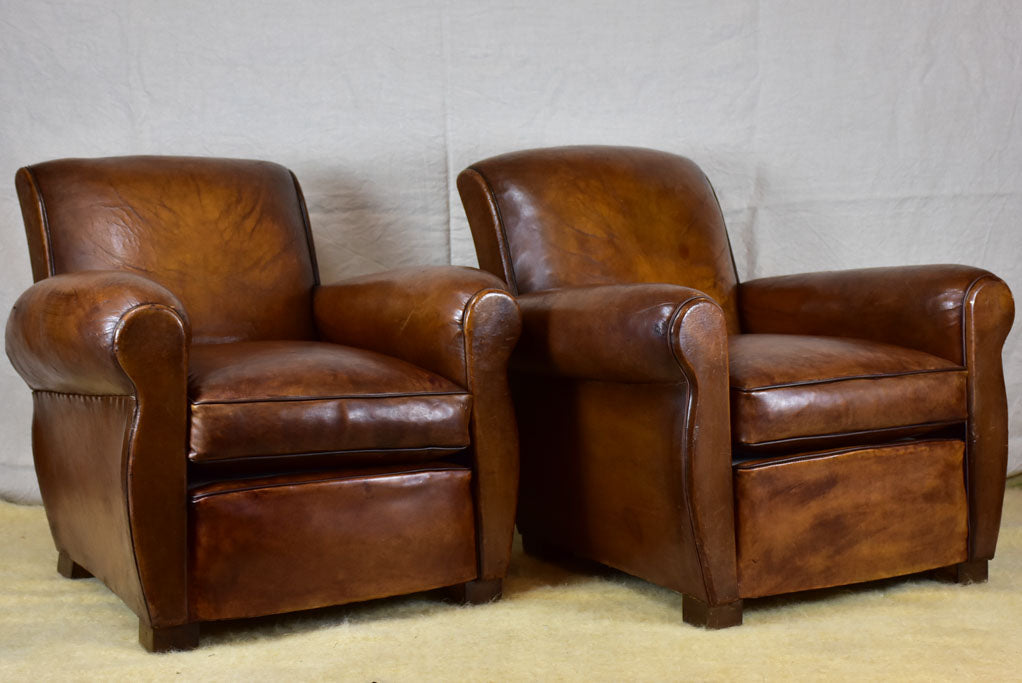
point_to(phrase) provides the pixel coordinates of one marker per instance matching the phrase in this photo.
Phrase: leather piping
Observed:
(830, 380)
(966, 313)
(819, 455)
(505, 257)
(129, 441)
(421, 470)
(308, 228)
(692, 397)
(445, 450)
(880, 430)
(286, 399)
(47, 241)
(730, 249)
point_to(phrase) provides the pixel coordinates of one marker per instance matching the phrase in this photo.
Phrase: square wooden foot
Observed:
(698, 613)
(69, 569)
(184, 637)
(963, 573)
(477, 592)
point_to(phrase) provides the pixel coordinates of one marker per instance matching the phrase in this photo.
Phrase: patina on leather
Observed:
(218, 436)
(667, 411)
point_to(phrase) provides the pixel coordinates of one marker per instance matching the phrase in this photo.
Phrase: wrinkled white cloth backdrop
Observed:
(838, 134)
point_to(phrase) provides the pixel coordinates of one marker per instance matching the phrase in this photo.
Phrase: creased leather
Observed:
(61, 332)
(604, 332)
(121, 395)
(790, 387)
(415, 314)
(592, 215)
(586, 236)
(262, 399)
(841, 517)
(211, 231)
(918, 307)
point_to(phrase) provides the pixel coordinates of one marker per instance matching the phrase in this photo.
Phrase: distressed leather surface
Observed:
(296, 542)
(839, 517)
(795, 391)
(174, 315)
(255, 399)
(211, 231)
(563, 216)
(597, 241)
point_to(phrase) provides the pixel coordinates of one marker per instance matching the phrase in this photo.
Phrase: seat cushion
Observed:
(284, 398)
(795, 392)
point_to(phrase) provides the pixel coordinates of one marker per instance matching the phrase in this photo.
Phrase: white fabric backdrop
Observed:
(838, 134)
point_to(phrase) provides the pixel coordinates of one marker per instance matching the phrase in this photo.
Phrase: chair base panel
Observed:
(168, 638)
(842, 517)
(70, 569)
(964, 573)
(364, 534)
(711, 617)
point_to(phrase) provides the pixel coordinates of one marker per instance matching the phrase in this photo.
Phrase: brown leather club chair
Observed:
(733, 440)
(219, 436)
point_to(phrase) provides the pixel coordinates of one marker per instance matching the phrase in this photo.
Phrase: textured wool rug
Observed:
(555, 623)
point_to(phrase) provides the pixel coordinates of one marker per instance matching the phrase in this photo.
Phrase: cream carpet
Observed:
(553, 624)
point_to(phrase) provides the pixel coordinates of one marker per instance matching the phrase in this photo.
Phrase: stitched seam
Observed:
(832, 380)
(878, 430)
(762, 462)
(296, 399)
(967, 313)
(200, 496)
(303, 209)
(730, 249)
(354, 451)
(501, 228)
(73, 394)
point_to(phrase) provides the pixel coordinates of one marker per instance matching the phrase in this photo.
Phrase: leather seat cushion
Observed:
(794, 391)
(284, 398)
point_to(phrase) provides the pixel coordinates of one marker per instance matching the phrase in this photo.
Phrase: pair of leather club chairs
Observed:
(217, 435)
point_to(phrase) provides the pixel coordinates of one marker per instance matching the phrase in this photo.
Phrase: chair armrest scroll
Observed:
(918, 307)
(620, 333)
(63, 334)
(415, 314)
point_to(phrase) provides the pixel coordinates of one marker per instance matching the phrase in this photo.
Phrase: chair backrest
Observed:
(230, 238)
(549, 218)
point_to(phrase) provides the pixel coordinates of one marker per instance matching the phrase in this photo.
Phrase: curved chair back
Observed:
(549, 218)
(230, 238)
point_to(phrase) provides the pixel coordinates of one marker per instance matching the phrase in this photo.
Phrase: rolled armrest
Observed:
(63, 332)
(919, 307)
(416, 314)
(623, 333)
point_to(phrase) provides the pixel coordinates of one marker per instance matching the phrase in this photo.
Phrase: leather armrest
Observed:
(919, 307)
(622, 333)
(420, 315)
(65, 333)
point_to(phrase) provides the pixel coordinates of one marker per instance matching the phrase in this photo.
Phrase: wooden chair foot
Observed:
(70, 569)
(184, 637)
(698, 613)
(477, 592)
(963, 573)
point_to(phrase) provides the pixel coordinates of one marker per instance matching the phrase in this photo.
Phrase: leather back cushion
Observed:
(599, 215)
(228, 237)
